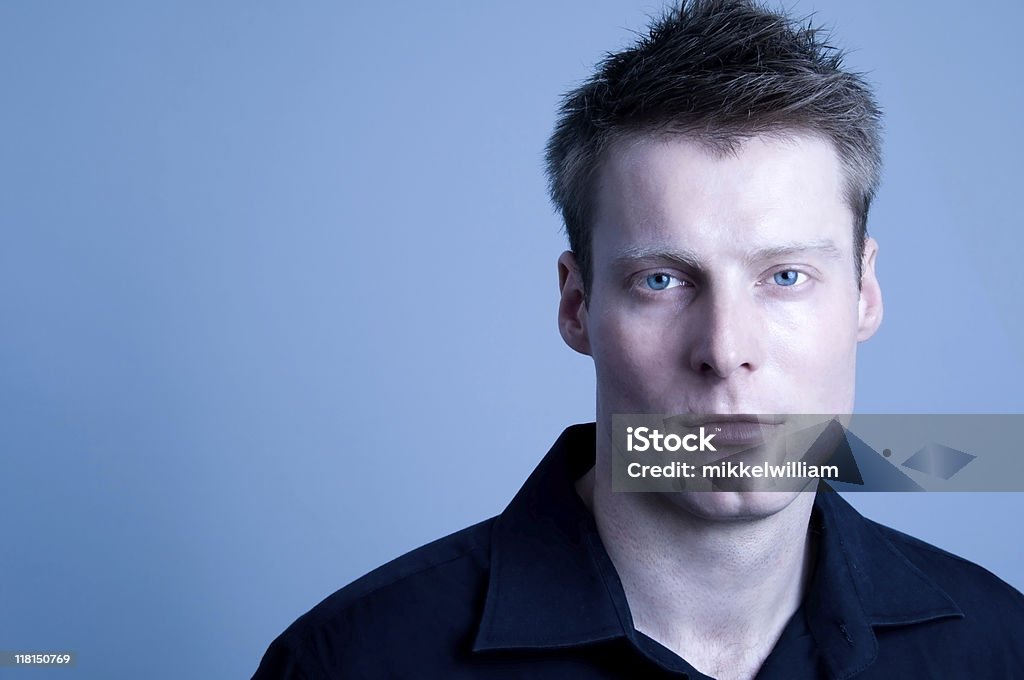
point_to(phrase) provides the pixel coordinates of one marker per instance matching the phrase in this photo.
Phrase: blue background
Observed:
(278, 294)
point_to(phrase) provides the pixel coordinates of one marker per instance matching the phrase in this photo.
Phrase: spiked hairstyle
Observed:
(718, 71)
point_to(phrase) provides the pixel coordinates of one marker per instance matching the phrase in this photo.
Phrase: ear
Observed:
(572, 307)
(869, 309)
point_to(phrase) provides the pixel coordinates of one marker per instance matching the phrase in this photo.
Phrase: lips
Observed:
(739, 432)
(734, 429)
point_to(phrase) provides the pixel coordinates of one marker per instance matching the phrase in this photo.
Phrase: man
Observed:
(715, 181)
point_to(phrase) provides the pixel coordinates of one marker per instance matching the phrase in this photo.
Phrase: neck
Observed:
(707, 587)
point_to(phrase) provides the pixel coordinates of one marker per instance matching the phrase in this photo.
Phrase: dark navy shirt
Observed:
(532, 593)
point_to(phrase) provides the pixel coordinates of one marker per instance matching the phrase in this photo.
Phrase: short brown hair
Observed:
(720, 71)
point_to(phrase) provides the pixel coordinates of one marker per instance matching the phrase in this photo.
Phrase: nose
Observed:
(729, 336)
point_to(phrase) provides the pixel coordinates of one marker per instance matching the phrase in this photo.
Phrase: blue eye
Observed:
(787, 277)
(659, 281)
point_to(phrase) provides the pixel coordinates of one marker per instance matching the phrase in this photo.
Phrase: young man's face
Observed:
(722, 283)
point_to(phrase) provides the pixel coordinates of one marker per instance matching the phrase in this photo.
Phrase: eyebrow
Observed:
(632, 254)
(825, 248)
(690, 259)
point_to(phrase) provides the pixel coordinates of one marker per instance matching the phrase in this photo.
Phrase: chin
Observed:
(733, 505)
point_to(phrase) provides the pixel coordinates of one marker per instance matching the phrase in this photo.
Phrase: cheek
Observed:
(633, 355)
(816, 354)
(823, 324)
(819, 343)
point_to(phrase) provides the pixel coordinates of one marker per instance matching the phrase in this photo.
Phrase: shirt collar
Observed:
(862, 580)
(545, 589)
(552, 583)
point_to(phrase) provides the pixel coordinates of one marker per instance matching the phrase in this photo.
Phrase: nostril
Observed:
(707, 368)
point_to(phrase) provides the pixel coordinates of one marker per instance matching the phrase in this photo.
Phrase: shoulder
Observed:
(932, 613)
(429, 597)
(991, 629)
(968, 584)
(439, 562)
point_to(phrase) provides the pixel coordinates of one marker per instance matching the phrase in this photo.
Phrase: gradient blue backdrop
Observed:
(277, 294)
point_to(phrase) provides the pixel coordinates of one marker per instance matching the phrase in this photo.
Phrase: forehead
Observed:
(763, 192)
